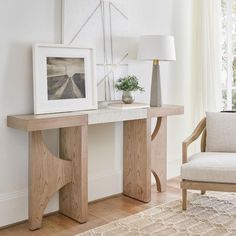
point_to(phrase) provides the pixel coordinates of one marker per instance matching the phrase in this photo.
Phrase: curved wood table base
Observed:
(158, 182)
(157, 128)
(48, 174)
(143, 153)
(159, 153)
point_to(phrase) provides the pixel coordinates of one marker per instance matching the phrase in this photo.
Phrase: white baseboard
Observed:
(14, 205)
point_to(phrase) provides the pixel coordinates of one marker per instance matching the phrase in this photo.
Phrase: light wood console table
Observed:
(143, 153)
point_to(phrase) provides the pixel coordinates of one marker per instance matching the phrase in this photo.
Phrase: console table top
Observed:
(32, 122)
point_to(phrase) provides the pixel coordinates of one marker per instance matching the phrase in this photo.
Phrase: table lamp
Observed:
(156, 48)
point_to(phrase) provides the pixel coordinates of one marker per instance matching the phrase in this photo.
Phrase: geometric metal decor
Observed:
(102, 25)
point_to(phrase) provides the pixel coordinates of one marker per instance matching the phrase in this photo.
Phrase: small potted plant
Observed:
(128, 84)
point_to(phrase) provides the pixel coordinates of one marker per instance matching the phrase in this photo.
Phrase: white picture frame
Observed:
(57, 85)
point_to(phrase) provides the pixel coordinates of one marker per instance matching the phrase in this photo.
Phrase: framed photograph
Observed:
(64, 78)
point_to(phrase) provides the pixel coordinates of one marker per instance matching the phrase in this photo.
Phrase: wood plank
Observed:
(184, 199)
(44, 122)
(47, 174)
(196, 133)
(159, 154)
(203, 141)
(100, 213)
(165, 110)
(137, 159)
(204, 186)
(73, 198)
(100, 116)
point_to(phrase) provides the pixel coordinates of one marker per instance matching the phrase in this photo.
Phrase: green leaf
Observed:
(128, 83)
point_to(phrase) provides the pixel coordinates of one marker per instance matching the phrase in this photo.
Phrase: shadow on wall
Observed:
(17, 82)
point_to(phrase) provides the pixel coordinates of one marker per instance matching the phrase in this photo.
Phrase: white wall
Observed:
(22, 23)
(166, 17)
(178, 86)
(25, 22)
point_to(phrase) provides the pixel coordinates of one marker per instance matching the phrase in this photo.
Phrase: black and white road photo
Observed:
(65, 78)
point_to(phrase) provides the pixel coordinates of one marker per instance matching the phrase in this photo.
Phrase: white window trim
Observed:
(229, 55)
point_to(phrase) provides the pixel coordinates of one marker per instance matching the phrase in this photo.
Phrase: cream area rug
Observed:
(213, 214)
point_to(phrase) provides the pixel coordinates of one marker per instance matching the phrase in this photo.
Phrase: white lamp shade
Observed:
(157, 47)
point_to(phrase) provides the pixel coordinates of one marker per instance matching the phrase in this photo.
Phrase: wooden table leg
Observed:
(159, 153)
(137, 160)
(74, 196)
(47, 174)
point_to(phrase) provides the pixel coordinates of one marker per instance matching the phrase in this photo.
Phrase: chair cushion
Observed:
(221, 132)
(210, 167)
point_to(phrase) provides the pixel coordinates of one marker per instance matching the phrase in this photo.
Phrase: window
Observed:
(229, 54)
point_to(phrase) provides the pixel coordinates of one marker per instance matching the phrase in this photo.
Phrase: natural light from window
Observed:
(229, 54)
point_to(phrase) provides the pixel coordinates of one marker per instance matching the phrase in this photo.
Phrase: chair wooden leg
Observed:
(184, 199)
(203, 192)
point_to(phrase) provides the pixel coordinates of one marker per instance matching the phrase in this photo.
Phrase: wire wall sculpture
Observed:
(103, 25)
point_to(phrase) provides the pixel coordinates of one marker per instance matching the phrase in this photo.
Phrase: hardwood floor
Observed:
(100, 212)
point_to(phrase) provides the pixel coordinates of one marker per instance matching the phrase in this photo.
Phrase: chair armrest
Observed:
(196, 133)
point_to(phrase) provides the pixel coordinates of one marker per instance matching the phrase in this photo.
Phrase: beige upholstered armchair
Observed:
(214, 168)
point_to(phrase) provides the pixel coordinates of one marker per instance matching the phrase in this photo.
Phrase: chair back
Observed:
(220, 132)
